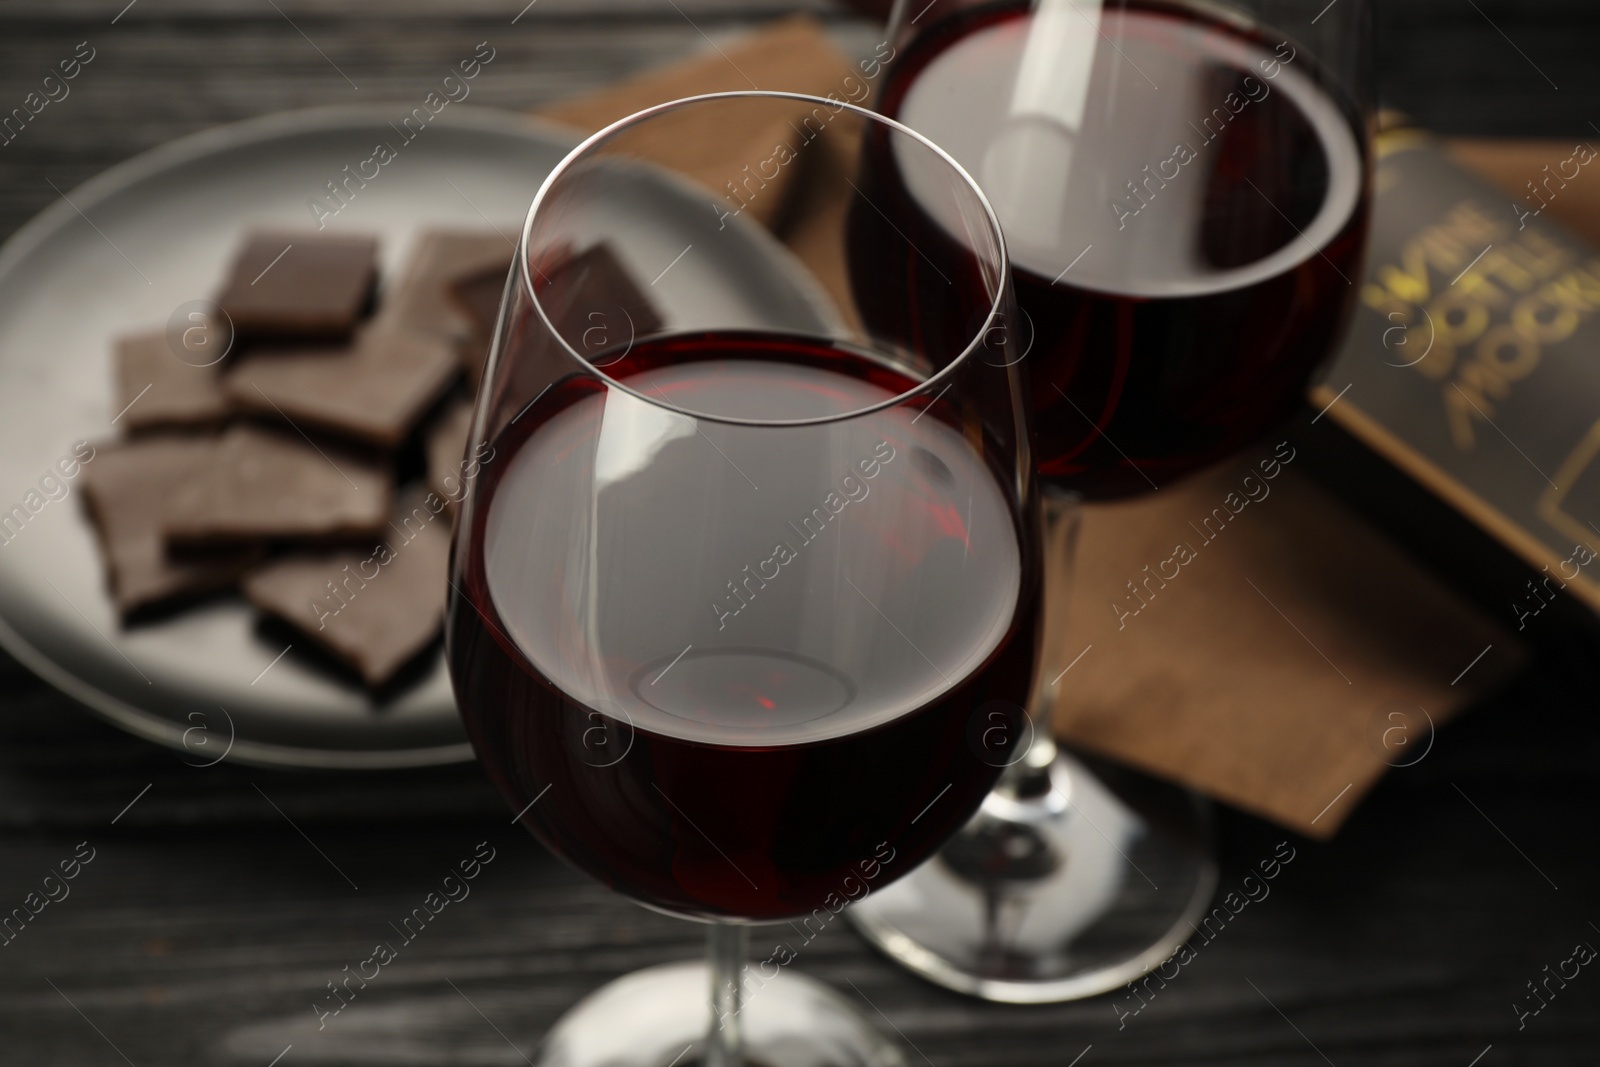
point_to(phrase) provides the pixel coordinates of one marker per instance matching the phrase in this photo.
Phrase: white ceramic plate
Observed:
(120, 254)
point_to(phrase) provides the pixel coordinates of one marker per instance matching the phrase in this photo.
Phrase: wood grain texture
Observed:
(207, 925)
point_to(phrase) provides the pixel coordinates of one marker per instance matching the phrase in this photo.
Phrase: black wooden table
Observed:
(219, 902)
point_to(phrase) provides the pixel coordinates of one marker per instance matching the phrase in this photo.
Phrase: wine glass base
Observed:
(658, 1017)
(1056, 897)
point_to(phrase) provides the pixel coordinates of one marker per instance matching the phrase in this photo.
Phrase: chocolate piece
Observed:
(449, 475)
(299, 285)
(375, 390)
(128, 488)
(421, 299)
(154, 388)
(590, 298)
(377, 608)
(477, 296)
(597, 304)
(261, 485)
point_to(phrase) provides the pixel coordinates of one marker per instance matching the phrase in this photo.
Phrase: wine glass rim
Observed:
(996, 304)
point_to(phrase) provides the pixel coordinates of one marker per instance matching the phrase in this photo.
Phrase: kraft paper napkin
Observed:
(792, 56)
(1281, 658)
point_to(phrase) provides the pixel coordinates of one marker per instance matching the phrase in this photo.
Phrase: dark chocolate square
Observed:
(422, 297)
(374, 390)
(261, 485)
(299, 285)
(155, 388)
(375, 608)
(449, 474)
(591, 298)
(129, 488)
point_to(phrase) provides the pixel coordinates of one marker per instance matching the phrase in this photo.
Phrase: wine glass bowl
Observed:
(1185, 189)
(724, 734)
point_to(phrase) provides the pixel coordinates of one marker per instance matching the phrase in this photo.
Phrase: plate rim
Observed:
(32, 234)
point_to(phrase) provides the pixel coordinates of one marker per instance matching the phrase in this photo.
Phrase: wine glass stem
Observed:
(727, 944)
(1063, 519)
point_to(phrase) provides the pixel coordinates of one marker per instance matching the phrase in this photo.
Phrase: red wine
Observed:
(658, 651)
(1185, 219)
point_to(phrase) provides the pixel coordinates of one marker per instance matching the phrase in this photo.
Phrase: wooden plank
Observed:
(212, 946)
(153, 82)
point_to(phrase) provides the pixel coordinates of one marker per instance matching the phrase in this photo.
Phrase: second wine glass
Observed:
(1184, 186)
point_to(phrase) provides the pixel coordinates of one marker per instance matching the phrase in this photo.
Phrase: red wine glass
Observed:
(741, 583)
(1184, 186)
